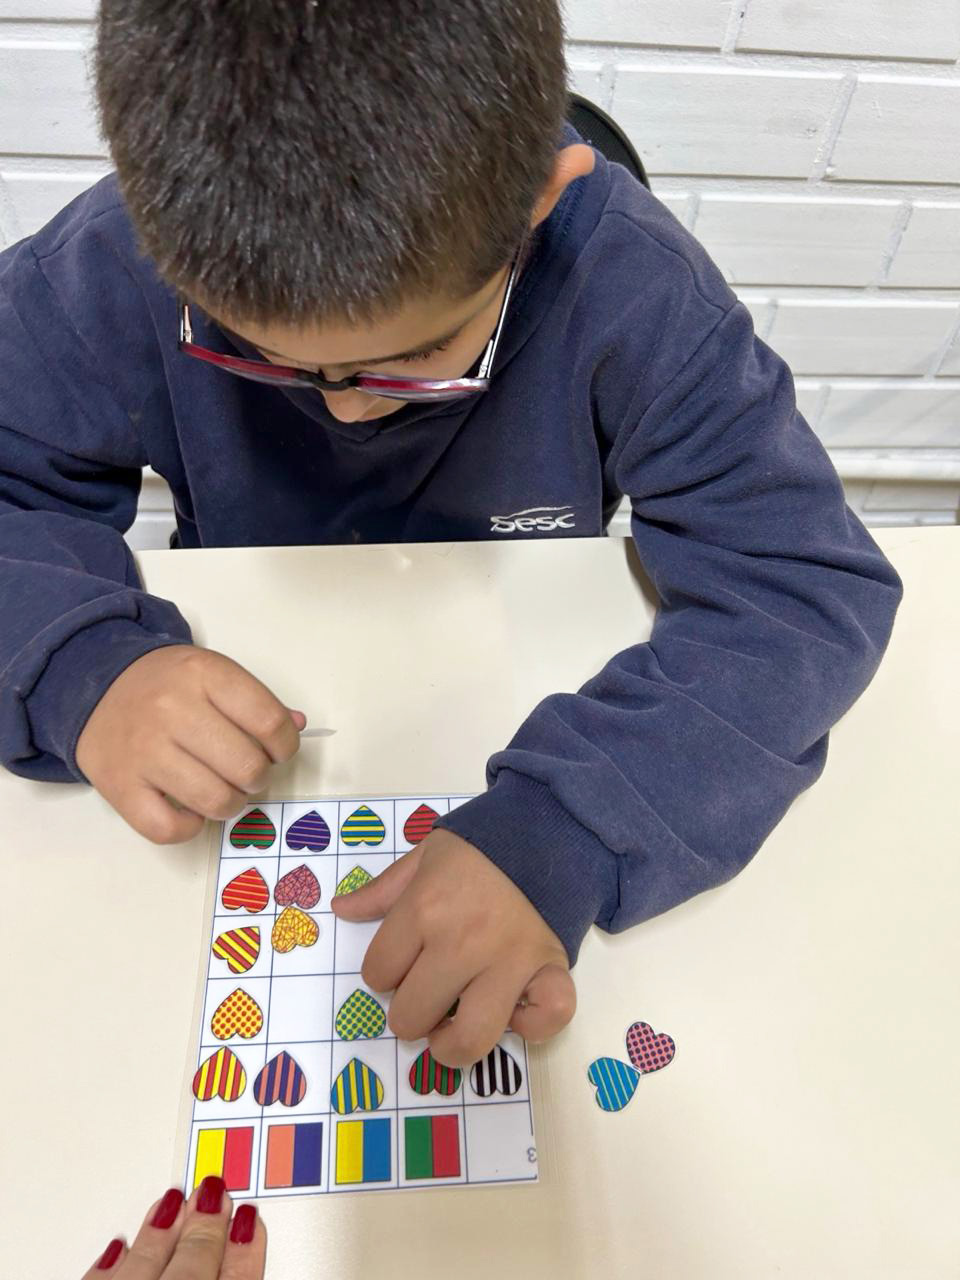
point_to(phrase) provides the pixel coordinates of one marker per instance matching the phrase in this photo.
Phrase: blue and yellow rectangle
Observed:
(363, 1151)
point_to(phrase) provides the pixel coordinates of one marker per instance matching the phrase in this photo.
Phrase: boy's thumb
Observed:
(375, 899)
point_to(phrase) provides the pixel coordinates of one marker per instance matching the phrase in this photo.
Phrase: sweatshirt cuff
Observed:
(77, 676)
(567, 873)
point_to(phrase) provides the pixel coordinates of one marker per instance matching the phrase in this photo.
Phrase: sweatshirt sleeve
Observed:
(74, 613)
(663, 776)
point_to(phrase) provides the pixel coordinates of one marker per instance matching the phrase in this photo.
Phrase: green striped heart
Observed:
(426, 1075)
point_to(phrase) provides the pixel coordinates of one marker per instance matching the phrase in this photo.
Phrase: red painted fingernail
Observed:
(211, 1194)
(244, 1224)
(110, 1254)
(167, 1209)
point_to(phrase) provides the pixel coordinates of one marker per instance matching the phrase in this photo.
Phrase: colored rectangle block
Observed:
(308, 1155)
(417, 1147)
(363, 1151)
(432, 1146)
(225, 1153)
(446, 1146)
(294, 1155)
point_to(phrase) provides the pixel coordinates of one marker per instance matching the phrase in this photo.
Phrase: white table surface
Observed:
(808, 1126)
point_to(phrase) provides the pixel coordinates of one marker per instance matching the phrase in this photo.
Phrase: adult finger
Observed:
(483, 1013)
(190, 782)
(243, 699)
(374, 900)
(548, 1003)
(200, 1246)
(246, 1252)
(424, 996)
(108, 1264)
(156, 1240)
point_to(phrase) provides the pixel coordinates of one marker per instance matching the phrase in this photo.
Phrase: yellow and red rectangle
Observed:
(225, 1153)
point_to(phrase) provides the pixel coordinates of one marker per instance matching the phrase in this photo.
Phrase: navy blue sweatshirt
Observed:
(627, 367)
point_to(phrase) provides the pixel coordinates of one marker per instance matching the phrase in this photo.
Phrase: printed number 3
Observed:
(532, 1155)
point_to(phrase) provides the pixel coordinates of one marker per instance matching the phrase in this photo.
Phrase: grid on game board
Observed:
(358, 1123)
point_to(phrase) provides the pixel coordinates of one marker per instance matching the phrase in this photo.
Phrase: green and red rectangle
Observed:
(432, 1146)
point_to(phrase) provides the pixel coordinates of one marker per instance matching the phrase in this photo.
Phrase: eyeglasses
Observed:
(379, 384)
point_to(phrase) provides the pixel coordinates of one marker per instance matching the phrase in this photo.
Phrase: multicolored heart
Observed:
(356, 1088)
(363, 827)
(254, 828)
(419, 825)
(360, 1017)
(615, 1082)
(354, 879)
(248, 889)
(238, 1015)
(426, 1075)
(309, 832)
(281, 1080)
(222, 1075)
(293, 929)
(299, 887)
(496, 1073)
(648, 1050)
(239, 947)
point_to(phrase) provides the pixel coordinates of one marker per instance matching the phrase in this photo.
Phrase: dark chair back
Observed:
(602, 132)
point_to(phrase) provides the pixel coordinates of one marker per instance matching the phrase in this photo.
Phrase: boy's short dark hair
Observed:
(315, 160)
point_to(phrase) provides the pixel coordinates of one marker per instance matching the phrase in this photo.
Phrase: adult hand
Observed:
(454, 926)
(185, 725)
(192, 1241)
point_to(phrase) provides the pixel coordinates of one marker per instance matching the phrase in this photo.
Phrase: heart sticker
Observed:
(254, 828)
(239, 947)
(293, 929)
(248, 889)
(496, 1073)
(363, 827)
(354, 879)
(281, 1080)
(309, 832)
(356, 1088)
(615, 1082)
(360, 1017)
(419, 825)
(220, 1076)
(298, 887)
(427, 1075)
(649, 1051)
(238, 1015)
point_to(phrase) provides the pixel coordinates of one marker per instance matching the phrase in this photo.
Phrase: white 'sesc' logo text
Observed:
(534, 520)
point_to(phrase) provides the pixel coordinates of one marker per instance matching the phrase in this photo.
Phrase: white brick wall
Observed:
(811, 145)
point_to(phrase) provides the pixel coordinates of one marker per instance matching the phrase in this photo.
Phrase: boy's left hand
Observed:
(454, 926)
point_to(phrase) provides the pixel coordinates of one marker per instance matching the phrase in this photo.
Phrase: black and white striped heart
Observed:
(496, 1073)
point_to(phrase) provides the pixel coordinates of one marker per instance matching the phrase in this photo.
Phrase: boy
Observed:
(412, 305)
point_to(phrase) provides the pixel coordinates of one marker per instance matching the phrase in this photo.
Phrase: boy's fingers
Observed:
(375, 899)
(184, 778)
(153, 1247)
(244, 1258)
(151, 814)
(232, 754)
(424, 997)
(392, 953)
(547, 1005)
(485, 1007)
(249, 704)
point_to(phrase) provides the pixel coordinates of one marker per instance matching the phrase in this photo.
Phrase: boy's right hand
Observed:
(186, 725)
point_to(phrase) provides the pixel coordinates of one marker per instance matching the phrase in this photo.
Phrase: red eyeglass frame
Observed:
(390, 386)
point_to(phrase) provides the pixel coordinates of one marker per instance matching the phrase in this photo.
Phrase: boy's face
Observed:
(434, 339)
(408, 343)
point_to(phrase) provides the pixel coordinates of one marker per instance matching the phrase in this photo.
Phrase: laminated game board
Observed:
(300, 1087)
